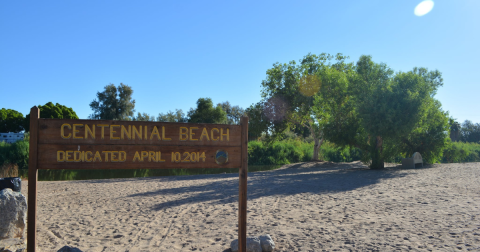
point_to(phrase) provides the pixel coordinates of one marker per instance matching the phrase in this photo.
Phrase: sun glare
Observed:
(423, 8)
(309, 85)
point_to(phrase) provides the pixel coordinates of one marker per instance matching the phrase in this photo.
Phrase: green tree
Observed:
(144, 117)
(429, 136)
(335, 107)
(15, 153)
(113, 103)
(289, 94)
(455, 130)
(470, 132)
(390, 106)
(177, 116)
(52, 111)
(207, 113)
(234, 113)
(258, 123)
(11, 121)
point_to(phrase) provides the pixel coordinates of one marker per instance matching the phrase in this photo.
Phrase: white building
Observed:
(11, 137)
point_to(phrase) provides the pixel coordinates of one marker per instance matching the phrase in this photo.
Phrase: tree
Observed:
(334, 106)
(429, 136)
(289, 93)
(11, 121)
(144, 117)
(234, 113)
(470, 132)
(455, 130)
(206, 113)
(177, 116)
(113, 103)
(49, 110)
(258, 123)
(390, 106)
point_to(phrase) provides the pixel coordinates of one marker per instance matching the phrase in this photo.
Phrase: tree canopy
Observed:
(455, 130)
(177, 116)
(289, 92)
(387, 114)
(366, 105)
(11, 121)
(144, 117)
(234, 113)
(53, 111)
(470, 132)
(207, 113)
(113, 103)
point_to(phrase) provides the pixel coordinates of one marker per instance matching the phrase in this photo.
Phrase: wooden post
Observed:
(242, 189)
(32, 181)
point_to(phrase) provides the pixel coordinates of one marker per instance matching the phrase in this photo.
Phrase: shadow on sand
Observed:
(290, 180)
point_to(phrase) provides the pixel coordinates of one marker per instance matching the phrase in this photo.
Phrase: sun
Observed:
(423, 8)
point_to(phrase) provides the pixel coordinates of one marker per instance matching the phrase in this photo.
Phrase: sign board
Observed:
(111, 144)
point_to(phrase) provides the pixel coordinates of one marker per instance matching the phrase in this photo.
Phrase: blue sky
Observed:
(173, 52)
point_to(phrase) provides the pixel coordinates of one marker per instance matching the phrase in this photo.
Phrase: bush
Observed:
(459, 152)
(279, 153)
(331, 152)
(15, 153)
(294, 151)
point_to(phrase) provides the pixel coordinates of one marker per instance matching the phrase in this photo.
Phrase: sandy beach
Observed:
(304, 207)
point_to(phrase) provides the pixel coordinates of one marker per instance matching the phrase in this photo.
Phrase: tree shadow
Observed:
(291, 180)
(153, 177)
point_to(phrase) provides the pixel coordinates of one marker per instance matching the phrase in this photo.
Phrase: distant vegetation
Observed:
(321, 108)
(293, 151)
(459, 152)
(15, 153)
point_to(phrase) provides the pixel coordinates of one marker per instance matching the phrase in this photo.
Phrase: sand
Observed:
(304, 207)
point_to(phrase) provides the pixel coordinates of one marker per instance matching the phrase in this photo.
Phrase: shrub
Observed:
(15, 153)
(294, 151)
(279, 153)
(331, 152)
(457, 152)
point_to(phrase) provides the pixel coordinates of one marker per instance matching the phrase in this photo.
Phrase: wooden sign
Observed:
(111, 144)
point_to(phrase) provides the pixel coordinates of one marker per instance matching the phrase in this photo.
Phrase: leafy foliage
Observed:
(11, 121)
(294, 150)
(234, 113)
(52, 111)
(144, 117)
(289, 94)
(390, 106)
(429, 136)
(279, 152)
(335, 153)
(15, 153)
(177, 116)
(258, 122)
(206, 112)
(455, 130)
(470, 132)
(457, 152)
(113, 103)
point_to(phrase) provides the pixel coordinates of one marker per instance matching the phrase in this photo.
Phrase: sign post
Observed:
(111, 144)
(32, 180)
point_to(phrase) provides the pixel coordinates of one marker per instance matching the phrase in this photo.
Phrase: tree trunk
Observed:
(318, 142)
(377, 154)
(316, 148)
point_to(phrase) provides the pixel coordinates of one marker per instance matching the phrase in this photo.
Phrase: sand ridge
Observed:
(304, 207)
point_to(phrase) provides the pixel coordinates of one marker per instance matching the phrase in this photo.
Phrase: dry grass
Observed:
(8, 170)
